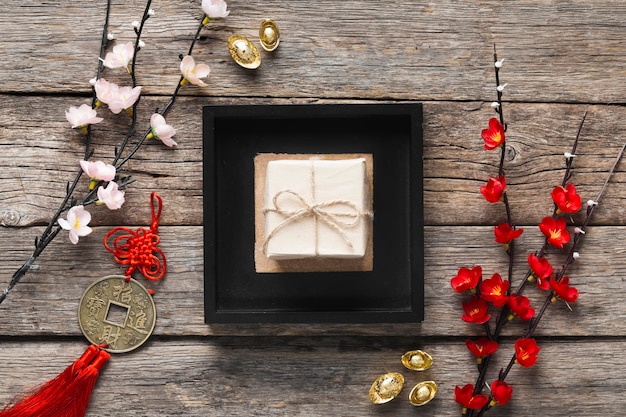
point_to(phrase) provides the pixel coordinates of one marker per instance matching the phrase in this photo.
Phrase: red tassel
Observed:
(67, 395)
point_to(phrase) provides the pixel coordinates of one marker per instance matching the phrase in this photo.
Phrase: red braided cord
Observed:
(138, 248)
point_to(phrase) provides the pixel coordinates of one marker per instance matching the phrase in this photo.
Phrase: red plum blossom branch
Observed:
(495, 293)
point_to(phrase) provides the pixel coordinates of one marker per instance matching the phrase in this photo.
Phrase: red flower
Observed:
(481, 347)
(494, 136)
(475, 311)
(494, 189)
(563, 290)
(505, 233)
(494, 290)
(541, 270)
(526, 351)
(500, 392)
(465, 396)
(566, 199)
(555, 231)
(466, 279)
(520, 306)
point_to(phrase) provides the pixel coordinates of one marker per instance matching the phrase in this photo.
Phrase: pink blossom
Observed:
(98, 170)
(77, 220)
(82, 116)
(192, 72)
(105, 90)
(121, 56)
(111, 196)
(215, 8)
(124, 98)
(161, 130)
(116, 97)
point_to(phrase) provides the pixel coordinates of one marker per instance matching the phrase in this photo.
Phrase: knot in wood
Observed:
(10, 218)
(509, 153)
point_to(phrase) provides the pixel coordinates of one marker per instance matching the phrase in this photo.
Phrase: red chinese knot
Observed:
(138, 248)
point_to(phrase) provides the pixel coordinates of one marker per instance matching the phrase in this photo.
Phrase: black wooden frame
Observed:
(235, 292)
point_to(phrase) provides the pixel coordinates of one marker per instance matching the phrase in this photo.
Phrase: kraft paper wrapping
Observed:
(289, 236)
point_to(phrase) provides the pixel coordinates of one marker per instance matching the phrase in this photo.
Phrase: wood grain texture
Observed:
(45, 302)
(41, 155)
(397, 50)
(223, 377)
(562, 58)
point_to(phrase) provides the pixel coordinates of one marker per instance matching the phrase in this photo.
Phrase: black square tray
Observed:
(235, 292)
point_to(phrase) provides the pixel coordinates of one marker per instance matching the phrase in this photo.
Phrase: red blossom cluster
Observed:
(493, 297)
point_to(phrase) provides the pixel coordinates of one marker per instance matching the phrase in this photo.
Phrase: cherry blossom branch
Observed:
(131, 131)
(104, 41)
(68, 202)
(174, 95)
(167, 107)
(51, 231)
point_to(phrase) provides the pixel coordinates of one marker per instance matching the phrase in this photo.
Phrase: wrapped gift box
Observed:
(316, 208)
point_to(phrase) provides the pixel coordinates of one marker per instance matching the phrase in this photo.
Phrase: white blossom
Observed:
(77, 220)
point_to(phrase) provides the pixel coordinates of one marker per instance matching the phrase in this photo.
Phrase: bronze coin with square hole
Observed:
(117, 313)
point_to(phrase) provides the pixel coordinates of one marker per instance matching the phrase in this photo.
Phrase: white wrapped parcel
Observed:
(317, 208)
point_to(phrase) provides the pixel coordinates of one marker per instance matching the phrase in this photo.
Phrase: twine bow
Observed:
(338, 221)
(138, 248)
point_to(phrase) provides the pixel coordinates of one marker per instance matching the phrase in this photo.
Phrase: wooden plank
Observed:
(317, 376)
(41, 153)
(555, 51)
(565, 53)
(456, 165)
(45, 302)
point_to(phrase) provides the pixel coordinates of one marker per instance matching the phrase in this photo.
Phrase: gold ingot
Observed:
(269, 35)
(386, 388)
(244, 52)
(422, 393)
(417, 360)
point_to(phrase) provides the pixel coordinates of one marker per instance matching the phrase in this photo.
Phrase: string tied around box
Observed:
(327, 212)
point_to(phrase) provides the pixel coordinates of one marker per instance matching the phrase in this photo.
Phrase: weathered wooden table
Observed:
(562, 58)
